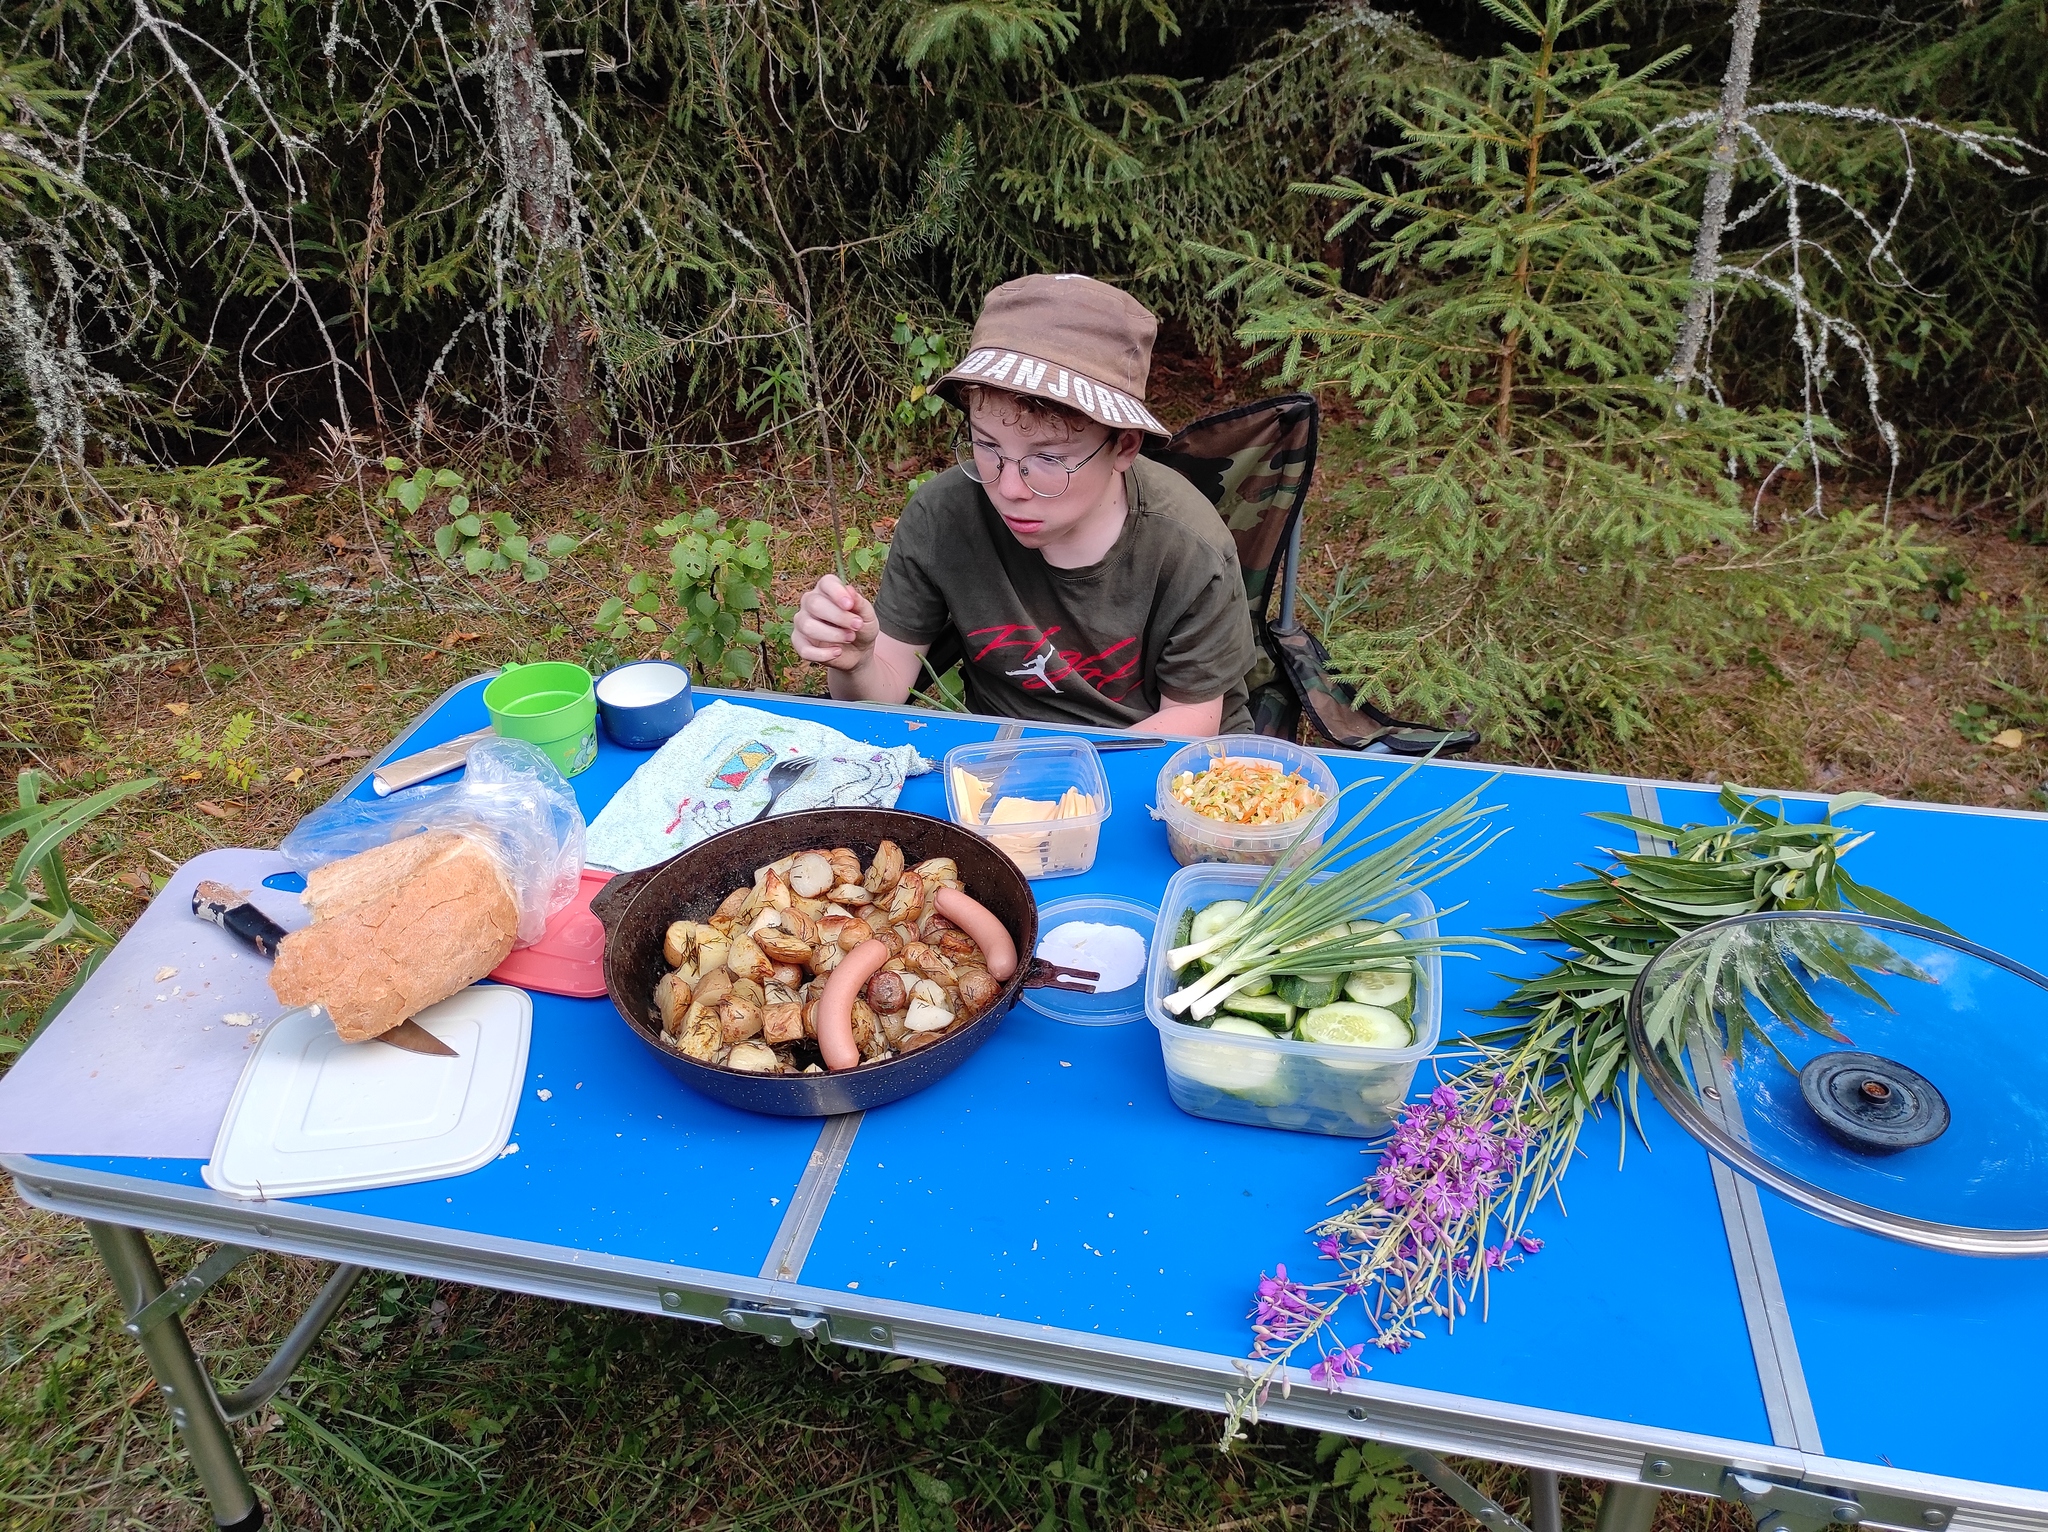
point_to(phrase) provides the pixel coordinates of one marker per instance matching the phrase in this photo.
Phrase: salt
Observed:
(1117, 953)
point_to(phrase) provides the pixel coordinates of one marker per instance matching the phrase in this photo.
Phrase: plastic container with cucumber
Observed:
(1313, 1055)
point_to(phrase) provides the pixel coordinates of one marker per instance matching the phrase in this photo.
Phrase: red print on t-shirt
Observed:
(1113, 671)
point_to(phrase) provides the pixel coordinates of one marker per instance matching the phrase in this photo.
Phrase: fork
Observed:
(782, 776)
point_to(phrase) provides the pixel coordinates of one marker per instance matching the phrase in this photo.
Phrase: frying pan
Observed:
(636, 910)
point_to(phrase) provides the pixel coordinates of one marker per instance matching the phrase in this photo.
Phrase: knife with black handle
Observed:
(226, 908)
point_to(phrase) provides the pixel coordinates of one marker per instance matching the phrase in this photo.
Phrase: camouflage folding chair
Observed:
(1255, 464)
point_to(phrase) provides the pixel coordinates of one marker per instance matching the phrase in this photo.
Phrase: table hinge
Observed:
(1787, 1505)
(186, 1291)
(780, 1325)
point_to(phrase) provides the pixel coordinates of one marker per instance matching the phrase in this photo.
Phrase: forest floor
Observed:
(432, 1405)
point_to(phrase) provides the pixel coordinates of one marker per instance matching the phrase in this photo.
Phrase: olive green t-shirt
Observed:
(1163, 614)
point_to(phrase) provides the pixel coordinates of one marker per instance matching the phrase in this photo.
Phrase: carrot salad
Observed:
(1243, 790)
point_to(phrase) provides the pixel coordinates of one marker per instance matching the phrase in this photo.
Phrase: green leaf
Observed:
(609, 613)
(503, 522)
(447, 478)
(410, 495)
(561, 546)
(447, 540)
(515, 548)
(457, 504)
(476, 558)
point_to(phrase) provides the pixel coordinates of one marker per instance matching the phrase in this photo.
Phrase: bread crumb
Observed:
(166, 972)
(240, 1018)
(545, 1095)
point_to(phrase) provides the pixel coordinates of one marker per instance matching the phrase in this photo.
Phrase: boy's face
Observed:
(1040, 453)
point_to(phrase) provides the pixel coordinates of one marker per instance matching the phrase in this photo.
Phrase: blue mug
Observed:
(644, 703)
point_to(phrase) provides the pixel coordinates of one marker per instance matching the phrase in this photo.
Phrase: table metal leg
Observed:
(1546, 1509)
(151, 1314)
(180, 1378)
(1628, 1508)
(1475, 1503)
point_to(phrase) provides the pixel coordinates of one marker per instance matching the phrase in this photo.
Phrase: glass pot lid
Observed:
(1880, 1074)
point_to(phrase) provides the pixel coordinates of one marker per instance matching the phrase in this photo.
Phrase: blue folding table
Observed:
(1047, 1212)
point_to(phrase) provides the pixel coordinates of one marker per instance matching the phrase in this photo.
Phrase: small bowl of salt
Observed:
(1100, 934)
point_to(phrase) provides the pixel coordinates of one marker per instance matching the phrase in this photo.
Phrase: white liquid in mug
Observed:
(641, 685)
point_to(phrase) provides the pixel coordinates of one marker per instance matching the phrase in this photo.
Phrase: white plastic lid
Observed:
(313, 1114)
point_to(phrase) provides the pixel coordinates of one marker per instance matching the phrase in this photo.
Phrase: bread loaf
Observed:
(396, 929)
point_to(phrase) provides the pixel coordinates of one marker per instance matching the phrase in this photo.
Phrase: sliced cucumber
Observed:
(1228, 1066)
(1211, 919)
(1380, 986)
(1308, 993)
(1355, 1026)
(1263, 985)
(1318, 939)
(1379, 932)
(1268, 1010)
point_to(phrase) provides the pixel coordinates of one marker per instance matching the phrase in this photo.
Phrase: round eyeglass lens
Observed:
(1044, 475)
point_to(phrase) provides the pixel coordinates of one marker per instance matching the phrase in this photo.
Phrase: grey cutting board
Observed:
(135, 1065)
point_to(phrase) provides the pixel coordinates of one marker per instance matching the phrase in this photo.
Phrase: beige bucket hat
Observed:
(1070, 339)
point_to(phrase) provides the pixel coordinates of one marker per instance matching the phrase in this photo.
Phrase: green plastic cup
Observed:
(552, 705)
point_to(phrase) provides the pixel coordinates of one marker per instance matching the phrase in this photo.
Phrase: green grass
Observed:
(431, 1405)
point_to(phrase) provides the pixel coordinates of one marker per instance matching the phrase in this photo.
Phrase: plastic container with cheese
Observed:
(1040, 801)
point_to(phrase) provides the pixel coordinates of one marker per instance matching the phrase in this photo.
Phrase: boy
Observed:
(1080, 582)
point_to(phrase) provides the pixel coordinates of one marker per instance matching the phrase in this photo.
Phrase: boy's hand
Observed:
(835, 625)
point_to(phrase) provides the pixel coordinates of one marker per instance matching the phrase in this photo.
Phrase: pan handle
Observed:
(611, 902)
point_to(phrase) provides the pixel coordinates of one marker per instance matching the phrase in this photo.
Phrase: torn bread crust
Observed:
(396, 929)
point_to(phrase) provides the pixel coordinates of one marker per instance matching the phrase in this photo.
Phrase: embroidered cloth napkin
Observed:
(714, 775)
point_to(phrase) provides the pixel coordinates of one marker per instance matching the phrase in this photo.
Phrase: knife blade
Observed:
(234, 914)
(414, 1038)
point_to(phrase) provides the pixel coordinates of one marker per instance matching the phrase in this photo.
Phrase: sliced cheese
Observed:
(972, 793)
(1015, 811)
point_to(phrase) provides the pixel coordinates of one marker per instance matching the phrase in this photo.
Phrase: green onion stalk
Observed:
(1449, 1202)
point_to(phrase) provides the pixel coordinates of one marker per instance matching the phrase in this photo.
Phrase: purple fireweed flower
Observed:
(1529, 1242)
(1341, 1363)
(1281, 1312)
(1329, 1247)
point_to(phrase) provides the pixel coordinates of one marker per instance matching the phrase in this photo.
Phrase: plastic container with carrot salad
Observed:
(1244, 798)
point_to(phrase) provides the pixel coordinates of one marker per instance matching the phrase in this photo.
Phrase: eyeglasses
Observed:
(1043, 474)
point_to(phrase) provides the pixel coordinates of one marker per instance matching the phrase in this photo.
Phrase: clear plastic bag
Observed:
(511, 800)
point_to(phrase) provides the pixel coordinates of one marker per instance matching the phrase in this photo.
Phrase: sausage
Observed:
(835, 1006)
(998, 950)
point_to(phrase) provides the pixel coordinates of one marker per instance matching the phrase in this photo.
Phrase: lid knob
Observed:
(1873, 1105)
